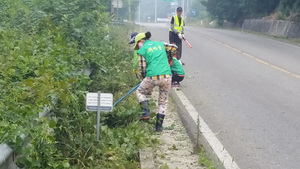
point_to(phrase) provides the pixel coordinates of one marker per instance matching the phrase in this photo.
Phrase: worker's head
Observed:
(179, 11)
(132, 38)
(140, 39)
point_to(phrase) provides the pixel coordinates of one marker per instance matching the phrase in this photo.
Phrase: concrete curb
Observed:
(200, 133)
(6, 154)
(146, 158)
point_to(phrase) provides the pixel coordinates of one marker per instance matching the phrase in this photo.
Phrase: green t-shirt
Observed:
(177, 67)
(156, 58)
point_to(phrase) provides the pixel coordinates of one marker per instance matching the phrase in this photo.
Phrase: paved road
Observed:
(247, 89)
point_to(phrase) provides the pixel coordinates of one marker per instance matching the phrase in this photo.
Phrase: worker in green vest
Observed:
(154, 68)
(175, 65)
(177, 72)
(176, 33)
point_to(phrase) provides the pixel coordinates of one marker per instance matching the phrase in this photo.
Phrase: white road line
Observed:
(253, 57)
(213, 141)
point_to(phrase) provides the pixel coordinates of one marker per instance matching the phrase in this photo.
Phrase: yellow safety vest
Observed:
(177, 25)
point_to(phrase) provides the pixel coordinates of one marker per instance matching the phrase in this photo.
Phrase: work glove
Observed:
(137, 74)
(180, 36)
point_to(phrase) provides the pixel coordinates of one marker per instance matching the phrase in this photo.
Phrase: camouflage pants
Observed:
(164, 87)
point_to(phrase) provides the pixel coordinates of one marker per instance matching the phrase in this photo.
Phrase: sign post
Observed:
(99, 102)
(98, 115)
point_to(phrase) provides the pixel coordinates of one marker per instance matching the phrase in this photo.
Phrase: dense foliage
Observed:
(290, 8)
(197, 10)
(46, 46)
(237, 10)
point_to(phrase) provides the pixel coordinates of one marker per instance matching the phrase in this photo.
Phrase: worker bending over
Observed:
(155, 70)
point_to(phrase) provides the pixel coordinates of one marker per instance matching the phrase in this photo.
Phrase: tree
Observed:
(258, 8)
(291, 9)
(230, 10)
(238, 10)
(199, 8)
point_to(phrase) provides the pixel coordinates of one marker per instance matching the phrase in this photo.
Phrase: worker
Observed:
(175, 65)
(135, 56)
(176, 33)
(177, 73)
(155, 70)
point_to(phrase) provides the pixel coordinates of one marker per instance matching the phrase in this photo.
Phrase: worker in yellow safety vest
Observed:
(176, 33)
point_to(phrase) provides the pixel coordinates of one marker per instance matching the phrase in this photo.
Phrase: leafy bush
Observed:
(45, 47)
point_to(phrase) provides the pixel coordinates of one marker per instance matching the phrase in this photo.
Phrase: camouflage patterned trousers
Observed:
(164, 87)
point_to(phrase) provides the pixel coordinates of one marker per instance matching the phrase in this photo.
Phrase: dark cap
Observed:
(179, 9)
(132, 37)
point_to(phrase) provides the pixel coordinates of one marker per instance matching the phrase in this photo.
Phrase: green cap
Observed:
(138, 37)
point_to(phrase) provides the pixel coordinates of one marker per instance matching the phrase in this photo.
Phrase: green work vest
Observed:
(156, 58)
(177, 67)
(177, 25)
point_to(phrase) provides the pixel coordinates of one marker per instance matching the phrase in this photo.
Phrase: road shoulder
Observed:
(200, 133)
(176, 149)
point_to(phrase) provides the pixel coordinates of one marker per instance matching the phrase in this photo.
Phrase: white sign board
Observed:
(117, 3)
(106, 102)
(164, 19)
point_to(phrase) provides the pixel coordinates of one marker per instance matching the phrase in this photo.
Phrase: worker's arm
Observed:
(142, 65)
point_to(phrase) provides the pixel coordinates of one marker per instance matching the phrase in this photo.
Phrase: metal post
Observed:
(98, 116)
(129, 10)
(183, 10)
(117, 11)
(187, 7)
(139, 12)
(155, 17)
(112, 10)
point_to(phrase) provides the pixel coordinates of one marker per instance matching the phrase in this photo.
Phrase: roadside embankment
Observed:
(273, 27)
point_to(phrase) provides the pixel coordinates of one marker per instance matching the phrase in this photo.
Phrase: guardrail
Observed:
(115, 22)
(7, 156)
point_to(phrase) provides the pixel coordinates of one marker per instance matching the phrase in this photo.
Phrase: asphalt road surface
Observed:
(247, 89)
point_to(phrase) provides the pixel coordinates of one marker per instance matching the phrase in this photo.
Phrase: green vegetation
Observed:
(198, 8)
(238, 10)
(205, 161)
(45, 47)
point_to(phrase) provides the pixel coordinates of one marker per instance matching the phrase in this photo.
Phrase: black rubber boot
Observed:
(145, 108)
(159, 121)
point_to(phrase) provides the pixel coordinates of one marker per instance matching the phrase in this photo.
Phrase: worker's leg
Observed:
(171, 37)
(179, 49)
(145, 87)
(177, 78)
(164, 88)
(174, 39)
